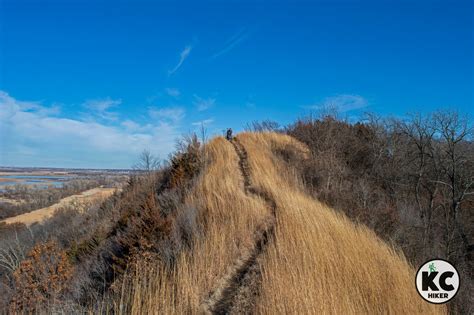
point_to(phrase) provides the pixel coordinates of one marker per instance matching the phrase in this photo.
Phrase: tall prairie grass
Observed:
(226, 220)
(317, 261)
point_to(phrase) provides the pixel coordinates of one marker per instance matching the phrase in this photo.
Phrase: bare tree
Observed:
(422, 167)
(11, 254)
(262, 126)
(456, 163)
(147, 162)
(15, 242)
(204, 139)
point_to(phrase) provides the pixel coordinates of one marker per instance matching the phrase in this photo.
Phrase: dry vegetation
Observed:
(317, 261)
(225, 223)
(20, 198)
(411, 181)
(79, 202)
(226, 227)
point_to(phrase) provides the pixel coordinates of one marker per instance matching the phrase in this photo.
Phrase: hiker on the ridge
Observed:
(229, 134)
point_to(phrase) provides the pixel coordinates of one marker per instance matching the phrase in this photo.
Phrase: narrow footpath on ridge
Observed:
(238, 291)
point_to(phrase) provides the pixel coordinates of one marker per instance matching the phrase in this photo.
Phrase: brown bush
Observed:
(42, 278)
(185, 164)
(145, 220)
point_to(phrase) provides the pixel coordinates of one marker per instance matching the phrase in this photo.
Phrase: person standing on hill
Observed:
(229, 134)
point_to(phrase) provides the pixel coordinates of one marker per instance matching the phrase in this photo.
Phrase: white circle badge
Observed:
(437, 281)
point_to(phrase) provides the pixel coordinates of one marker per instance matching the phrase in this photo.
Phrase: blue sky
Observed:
(92, 83)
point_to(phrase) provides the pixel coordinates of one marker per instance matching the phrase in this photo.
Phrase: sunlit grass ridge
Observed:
(316, 261)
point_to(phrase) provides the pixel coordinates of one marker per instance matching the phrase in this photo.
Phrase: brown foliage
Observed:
(42, 278)
(185, 164)
(149, 219)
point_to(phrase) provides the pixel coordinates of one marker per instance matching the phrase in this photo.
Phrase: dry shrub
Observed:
(42, 278)
(186, 163)
(147, 218)
(139, 226)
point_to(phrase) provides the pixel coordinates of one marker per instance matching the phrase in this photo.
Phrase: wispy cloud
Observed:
(100, 108)
(32, 134)
(182, 57)
(203, 104)
(250, 104)
(173, 92)
(171, 114)
(341, 103)
(131, 125)
(232, 42)
(204, 122)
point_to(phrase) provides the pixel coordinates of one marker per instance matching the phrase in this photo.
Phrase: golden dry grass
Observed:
(317, 262)
(227, 217)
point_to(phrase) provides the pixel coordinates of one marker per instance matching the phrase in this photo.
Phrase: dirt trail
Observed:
(44, 213)
(239, 289)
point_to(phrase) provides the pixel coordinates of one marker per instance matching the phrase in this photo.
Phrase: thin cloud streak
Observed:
(341, 103)
(204, 122)
(182, 57)
(232, 42)
(203, 104)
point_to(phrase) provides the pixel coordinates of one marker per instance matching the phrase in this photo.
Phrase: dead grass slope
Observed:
(316, 261)
(320, 262)
(227, 218)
